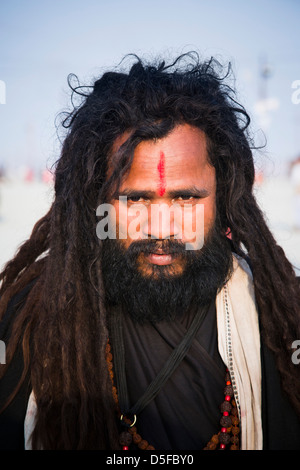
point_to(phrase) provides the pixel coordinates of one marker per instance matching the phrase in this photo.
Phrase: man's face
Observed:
(150, 269)
(168, 171)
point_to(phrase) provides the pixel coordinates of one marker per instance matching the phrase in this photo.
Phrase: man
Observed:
(151, 307)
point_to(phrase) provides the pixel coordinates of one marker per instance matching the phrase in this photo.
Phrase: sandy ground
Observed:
(276, 197)
(23, 203)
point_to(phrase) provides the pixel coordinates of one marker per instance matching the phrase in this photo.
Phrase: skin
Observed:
(167, 171)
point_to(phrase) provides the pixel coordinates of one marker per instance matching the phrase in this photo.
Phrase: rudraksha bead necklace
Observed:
(227, 438)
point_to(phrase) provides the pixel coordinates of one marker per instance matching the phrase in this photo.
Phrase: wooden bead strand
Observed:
(228, 437)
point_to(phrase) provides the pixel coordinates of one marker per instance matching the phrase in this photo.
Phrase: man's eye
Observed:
(185, 198)
(136, 199)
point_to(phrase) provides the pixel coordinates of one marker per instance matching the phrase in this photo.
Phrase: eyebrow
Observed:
(193, 191)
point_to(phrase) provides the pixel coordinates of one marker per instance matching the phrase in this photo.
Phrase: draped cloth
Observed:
(238, 342)
(239, 346)
(186, 412)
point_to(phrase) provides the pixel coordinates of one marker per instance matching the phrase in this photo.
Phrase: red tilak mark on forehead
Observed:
(161, 174)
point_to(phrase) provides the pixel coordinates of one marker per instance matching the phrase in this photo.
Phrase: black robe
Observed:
(191, 396)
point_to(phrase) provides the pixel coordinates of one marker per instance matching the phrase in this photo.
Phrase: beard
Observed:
(164, 294)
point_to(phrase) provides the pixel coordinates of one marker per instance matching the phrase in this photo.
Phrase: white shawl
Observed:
(239, 346)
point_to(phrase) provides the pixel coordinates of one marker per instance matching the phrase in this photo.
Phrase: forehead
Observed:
(178, 159)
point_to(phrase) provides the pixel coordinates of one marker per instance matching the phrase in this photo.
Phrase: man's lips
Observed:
(160, 258)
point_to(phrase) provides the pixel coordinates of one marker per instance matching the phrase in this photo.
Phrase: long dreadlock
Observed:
(63, 325)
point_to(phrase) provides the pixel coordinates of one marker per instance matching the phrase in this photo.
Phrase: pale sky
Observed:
(41, 42)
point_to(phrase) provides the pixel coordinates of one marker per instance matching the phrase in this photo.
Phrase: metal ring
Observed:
(132, 424)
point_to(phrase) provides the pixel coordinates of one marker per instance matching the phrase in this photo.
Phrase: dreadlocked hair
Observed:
(62, 327)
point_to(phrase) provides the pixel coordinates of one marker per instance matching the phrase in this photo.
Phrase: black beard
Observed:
(164, 295)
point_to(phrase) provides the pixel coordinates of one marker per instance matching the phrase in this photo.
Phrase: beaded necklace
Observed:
(227, 438)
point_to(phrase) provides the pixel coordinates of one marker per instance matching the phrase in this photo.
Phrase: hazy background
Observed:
(41, 42)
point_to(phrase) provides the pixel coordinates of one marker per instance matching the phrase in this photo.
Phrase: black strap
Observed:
(165, 373)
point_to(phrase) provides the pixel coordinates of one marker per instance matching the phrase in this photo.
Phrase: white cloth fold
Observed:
(29, 422)
(239, 346)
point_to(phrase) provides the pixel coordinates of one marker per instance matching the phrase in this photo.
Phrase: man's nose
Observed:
(161, 223)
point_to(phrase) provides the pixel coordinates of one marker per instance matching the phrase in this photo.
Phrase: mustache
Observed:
(152, 246)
